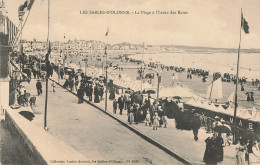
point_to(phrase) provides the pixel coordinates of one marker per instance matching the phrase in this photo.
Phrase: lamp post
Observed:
(59, 60)
(106, 67)
(16, 74)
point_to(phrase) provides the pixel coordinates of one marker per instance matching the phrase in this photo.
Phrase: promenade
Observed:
(178, 141)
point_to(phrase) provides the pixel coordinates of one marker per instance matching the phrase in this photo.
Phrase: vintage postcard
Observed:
(160, 82)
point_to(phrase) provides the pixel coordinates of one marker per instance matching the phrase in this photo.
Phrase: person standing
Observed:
(96, 94)
(209, 154)
(61, 74)
(101, 92)
(219, 148)
(121, 103)
(114, 106)
(34, 73)
(156, 120)
(131, 116)
(148, 118)
(53, 87)
(39, 87)
(112, 93)
(90, 92)
(80, 94)
(240, 153)
(195, 125)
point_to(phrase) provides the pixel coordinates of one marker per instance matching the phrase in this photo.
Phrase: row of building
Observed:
(83, 47)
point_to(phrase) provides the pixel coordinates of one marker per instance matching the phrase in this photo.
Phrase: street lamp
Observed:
(106, 67)
(15, 76)
(59, 60)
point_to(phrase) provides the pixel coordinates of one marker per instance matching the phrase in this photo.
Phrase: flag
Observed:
(23, 6)
(12, 31)
(48, 50)
(27, 5)
(244, 24)
(107, 32)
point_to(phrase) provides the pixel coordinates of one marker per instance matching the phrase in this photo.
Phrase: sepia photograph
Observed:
(130, 82)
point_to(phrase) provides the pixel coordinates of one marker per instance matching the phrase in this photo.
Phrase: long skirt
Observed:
(156, 123)
(96, 99)
(112, 96)
(131, 118)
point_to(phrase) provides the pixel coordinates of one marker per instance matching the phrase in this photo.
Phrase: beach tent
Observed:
(215, 90)
(229, 111)
(231, 97)
(175, 91)
(221, 109)
(256, 116)
(246, 115)
(206, 105)
(240, 112)
(213, 107)
(197, 103)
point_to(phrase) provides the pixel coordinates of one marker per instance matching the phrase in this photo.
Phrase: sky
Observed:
(214, 23)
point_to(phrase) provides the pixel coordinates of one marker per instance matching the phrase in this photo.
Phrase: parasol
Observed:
(222, 129)
(177, 97)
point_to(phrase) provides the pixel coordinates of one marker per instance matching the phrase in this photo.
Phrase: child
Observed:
(53, 87)
(156, 120)
(164, 119)
(114, 105)
(148, 118)
(131, 116)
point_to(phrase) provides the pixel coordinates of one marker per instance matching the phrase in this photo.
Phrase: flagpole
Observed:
(211, 88)
(47, 62)
(142, 70)
(106, 67)
(235, 111)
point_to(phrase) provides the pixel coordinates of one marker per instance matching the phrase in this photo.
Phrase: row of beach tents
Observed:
(243, 113)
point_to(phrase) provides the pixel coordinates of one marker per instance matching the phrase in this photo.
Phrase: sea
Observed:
(212, 60)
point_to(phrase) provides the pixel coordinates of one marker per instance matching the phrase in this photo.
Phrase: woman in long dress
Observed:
(210, 152)
(219, 148)
(240, 153)
(96, 93)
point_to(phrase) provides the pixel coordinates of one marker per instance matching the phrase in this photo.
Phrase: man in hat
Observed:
(121, 103)
(80, 94)
(114, 106)
(195, 124)
(39, 87)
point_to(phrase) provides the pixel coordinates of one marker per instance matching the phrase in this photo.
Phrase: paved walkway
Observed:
(180, 141)
(93, 133)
